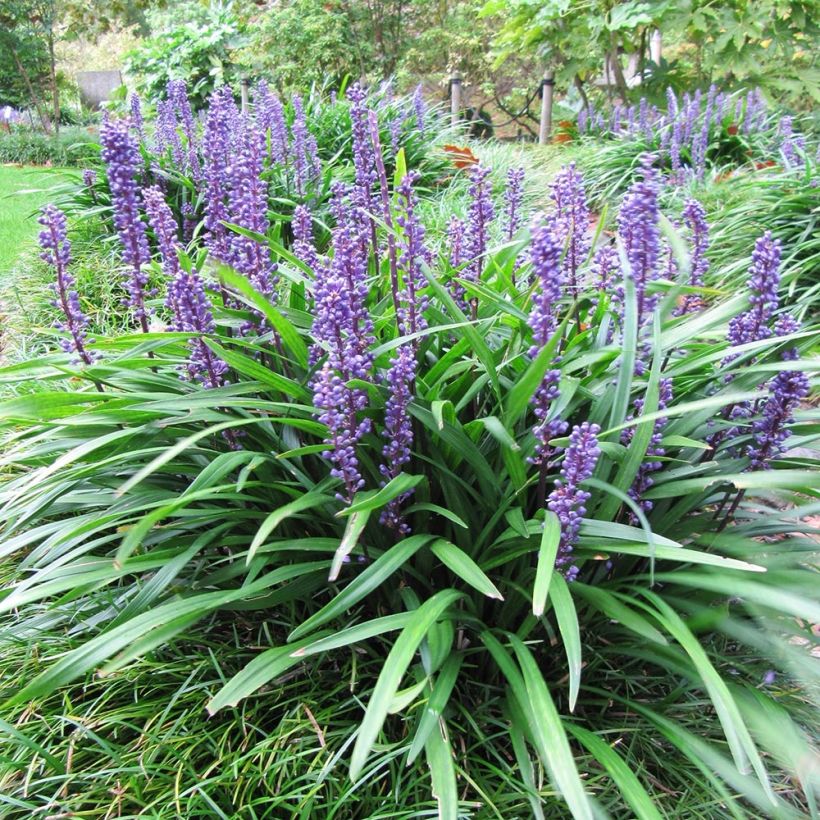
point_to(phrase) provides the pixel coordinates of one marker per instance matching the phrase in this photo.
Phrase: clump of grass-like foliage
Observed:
(506, 525)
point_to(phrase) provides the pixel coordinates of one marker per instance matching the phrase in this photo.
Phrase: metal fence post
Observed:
(244, 83)
(547, 90)
(455, 98)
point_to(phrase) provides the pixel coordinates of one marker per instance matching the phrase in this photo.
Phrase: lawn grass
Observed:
(22, 191)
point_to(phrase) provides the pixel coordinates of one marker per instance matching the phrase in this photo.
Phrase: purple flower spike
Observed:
(216, 149)
(137, 121)
(178, 96)
(785, 326)
(186, 297)
(412, 255)
(336, 405)
(305, 158)
(419, 108)
(363, 162)
(89, 177)
(121, 156)
(572, 221)
(786, 390)
(567, 500)
(546, 429)
(304, 248)
(513, 202)
(694, 218)
(398, 430)
(639, 228)
(546, 264)
(248, 208)
(764, 280)
(270, 117)
(57, 253)
(166, 135)
(479, 216)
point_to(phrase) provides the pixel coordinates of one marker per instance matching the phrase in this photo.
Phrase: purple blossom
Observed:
(363, 161)
(248, 208)
(545, 428)
(639, 228)
(178, 97)
(395, 126)
(217, 153)
(513, 202)
(89, 177)
(305, 159)
(567, 500)
(419, 108)
(270, 117)
(304, 247)
(572, 221)
(764, 280)
(186, 297)
(479, 216)
(56, 251)
(785, 326)
(545, 253)
(398, 430)
(137, 121)
(412, 255)
(786, 390)
(335, 404)
(121, 156)
(643, 480)
(792, 146)
(166, 134)
(694, 218)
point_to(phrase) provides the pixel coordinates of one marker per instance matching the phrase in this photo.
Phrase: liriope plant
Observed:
(524, 472)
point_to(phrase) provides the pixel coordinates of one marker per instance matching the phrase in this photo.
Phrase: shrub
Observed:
(24, 146)
(524, 494)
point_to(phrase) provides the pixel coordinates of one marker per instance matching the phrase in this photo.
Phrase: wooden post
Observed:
(547, 89)
(455, 98)
(244, 83)
(655, 46)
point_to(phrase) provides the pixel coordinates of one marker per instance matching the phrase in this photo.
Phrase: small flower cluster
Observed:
(413, 253)
(572, 221)
(56, 251)
(121, 156)
(567, 499)
(786, 390)
(694, 218)
(398, 430)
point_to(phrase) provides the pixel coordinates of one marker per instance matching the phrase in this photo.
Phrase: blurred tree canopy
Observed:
(772, 44)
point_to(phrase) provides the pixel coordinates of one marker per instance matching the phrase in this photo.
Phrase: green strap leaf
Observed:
(457, 561)
(547, 553)
(392, 672)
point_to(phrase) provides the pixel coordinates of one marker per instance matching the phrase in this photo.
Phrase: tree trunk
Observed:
(615, 62)
(41, 112)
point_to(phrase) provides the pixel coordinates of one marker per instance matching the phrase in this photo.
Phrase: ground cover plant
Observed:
(483, 513)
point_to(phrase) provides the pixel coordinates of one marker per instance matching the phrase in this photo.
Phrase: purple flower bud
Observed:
(178, 97)
(545, 253)
(786, 390)
(304, 248)
(694, 218)
(305, 158)
(513, 202)
(479, 216)
(270, 117)
(121, 156)
(217, 153)
(764, 280)
(639, 228)
(186, 297)
(57, 253)
(419, 108)
(412, 255)
(545, 428)
(89, 177)
(398, 430)
(571, 221)
(567, 500)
